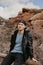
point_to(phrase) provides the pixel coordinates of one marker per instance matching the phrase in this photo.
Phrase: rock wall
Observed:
(34, 20)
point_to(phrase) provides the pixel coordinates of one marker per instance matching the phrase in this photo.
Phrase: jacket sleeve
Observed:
(12, 42)
(30, 45)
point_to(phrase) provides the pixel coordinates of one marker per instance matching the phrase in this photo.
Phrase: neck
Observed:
(21, 31)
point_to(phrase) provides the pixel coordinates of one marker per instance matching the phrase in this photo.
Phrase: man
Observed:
(21, 46)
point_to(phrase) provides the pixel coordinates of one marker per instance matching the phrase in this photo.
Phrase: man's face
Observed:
(21, 26)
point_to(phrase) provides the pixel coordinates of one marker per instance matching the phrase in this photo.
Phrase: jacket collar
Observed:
(25, 32)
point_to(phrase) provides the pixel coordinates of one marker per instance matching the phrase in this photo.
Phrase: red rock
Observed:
(34, 20)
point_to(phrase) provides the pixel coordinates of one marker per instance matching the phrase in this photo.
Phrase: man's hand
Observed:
(31, 60)
(34, 59)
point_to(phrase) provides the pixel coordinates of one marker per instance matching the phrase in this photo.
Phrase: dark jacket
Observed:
(27, 42)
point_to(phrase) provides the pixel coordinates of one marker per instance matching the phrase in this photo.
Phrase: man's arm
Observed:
(30, 44)
(12, 42)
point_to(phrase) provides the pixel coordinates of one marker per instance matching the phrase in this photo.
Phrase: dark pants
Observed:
(17, 58)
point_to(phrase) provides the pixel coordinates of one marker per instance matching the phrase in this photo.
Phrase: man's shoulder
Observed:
(29, 32)
(15, 32)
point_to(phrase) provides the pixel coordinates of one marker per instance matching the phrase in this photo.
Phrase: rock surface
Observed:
(34, 20)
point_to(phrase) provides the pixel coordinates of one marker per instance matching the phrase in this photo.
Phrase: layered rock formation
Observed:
(37, 24)
(34, 20)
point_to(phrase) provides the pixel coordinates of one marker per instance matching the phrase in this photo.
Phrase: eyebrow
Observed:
(20, 23)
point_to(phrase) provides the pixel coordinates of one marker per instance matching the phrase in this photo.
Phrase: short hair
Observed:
(22, 21)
